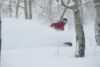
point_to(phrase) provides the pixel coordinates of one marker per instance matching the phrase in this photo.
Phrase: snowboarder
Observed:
(59, 25)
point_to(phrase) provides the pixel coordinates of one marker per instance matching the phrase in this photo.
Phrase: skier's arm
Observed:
(52, 25)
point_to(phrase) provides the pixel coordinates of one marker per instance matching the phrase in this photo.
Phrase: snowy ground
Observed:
(34, 44)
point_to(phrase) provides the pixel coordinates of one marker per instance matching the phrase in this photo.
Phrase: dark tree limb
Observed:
(63, 14)
(69, 7)
(64, 11)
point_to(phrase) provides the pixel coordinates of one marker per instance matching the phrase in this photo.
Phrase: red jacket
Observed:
(58, 25)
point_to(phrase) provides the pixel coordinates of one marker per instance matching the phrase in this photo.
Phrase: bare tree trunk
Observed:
(50, 10)
(0, 36)
(0, 40)
(81, 11)
(79, 31)
(10, 8)
(30, 9)
(97, 24)
(80, 38)
(0, 31)
(17, 8)
(25, 9)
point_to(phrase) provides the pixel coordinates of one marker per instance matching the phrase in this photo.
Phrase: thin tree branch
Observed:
(69, 7)
(64, 11)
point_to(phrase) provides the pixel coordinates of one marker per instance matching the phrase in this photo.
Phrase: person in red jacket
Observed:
(59, 25)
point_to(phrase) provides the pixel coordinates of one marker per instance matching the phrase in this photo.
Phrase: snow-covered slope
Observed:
(26, 34)
(28, 43)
